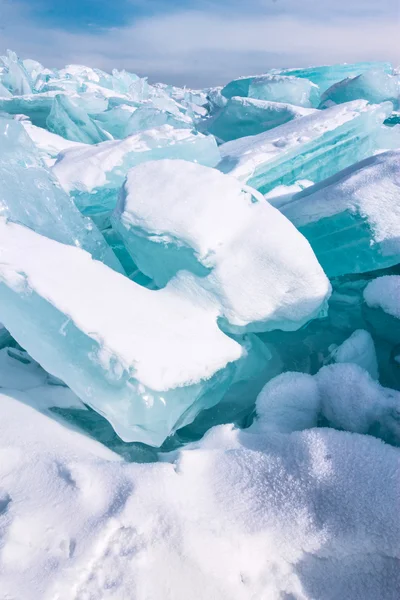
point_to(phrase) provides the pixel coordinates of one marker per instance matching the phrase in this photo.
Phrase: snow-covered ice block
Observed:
(30, 195)
(233, 245)
(326, 76)
(149, 361)
(358, 349)
(384, 293)
(241, 117)
(94, 175)
(344, 395)
(313, 147)
(352, 219)
(373, 85)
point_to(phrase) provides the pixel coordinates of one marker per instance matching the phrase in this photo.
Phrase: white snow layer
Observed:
(310, 515)
(384, 292)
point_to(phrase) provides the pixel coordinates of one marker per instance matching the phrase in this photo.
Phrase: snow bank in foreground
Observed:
(242, 514)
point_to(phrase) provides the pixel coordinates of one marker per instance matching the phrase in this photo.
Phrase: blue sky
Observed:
(200, 42)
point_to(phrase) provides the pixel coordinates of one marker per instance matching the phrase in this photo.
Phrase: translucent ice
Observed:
(313, 147)
(36, 107)
(276, 88)
(147, 360)
(352, 220)
(374, 85)
(14, 75)
(233, 245)
(72, 122)
(93, 175)
(31, 195)
(326, 76)
(246, 116)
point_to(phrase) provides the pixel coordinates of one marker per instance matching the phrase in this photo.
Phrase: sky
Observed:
(200, 42)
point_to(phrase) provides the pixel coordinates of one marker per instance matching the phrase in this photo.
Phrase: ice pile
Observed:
(208, 280)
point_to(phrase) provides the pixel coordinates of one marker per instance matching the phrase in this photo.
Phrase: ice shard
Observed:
(241, 117)
(73, 123)
(30, 195)
(233, 245)
(313, 147)
(14, 76)
(94, 175)
(352, 220)
(149, 361)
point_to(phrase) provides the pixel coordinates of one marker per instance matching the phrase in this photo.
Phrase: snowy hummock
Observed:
(313, 147)
(358, 349)
(358, 206)
(260, 283)
(140, 357)
(239, 515)
(384, 293)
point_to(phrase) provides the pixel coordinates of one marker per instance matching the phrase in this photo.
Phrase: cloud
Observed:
(207, 47)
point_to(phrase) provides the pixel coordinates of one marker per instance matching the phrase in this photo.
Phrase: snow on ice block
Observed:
(374, 85)
(94, 175)
(352, 220)
(30, 195)
(247, 116)
(358, 349)
(174, 215)
(343, 395)
(148, 361)
(313, 147)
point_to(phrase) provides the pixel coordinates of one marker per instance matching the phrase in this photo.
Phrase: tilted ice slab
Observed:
(14, 76)
(174, 215)
(374, 85)
(314, 147)
(149, 361)
(352, 220)
(30, 195)
(247, 116)
(326, 76)
(70, 121)
(310, 514)
(276, 88)
(93, 175)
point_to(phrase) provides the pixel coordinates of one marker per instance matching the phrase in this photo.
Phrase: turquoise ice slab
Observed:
(35, 106)
(30, 195)
(325, 76)
(246, 116)
(313, 147)
(148, 361)
(352, 220)
(374, 85)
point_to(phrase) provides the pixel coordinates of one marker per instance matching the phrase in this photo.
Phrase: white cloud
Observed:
(205, 48)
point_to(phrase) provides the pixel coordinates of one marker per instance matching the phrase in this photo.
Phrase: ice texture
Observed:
(30, 195)
(313, 147)
(352, 220)
(241, 117)
(94, 175)
(233, 245)
(132, 358)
